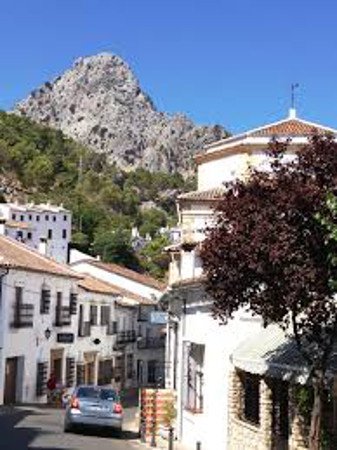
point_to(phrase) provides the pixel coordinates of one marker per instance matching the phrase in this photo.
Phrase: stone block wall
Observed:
(242, 434)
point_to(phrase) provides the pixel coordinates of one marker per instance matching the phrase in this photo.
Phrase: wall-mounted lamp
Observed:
(47, 333)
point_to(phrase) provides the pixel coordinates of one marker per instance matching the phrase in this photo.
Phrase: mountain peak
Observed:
(100, 103)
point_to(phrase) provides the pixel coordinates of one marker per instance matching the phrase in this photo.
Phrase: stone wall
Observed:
(244, 435)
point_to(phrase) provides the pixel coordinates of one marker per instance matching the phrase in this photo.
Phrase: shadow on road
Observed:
(126, 435)
(13, 438)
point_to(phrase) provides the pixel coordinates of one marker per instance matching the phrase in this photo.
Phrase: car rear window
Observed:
(108, 394)
(89, 392)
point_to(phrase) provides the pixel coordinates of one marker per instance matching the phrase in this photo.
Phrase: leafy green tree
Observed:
(115, 246)
(154, 259)
(151, 220)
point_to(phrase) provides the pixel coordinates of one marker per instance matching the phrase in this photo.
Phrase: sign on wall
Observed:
(65, 338)
(158, 317)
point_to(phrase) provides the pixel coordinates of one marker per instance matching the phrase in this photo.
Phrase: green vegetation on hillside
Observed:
(106, 202)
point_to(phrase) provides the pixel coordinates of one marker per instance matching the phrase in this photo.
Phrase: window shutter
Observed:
(70, 372)
(45, 301)
(41, 379)
(80, 373)
(73, 303)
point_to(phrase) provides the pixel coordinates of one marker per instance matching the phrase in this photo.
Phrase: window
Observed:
(151, 372)
(29, 235)
(129, 365)
(54, 218)
(22, 218)
(47, 217)
(64, 234)
(105, 315)
(45, 301)
(19, 235)
(41, 378)
(193, 390)
(13, 216)
(64, 217)
(37, 218)
(93, 315)
(30, 217)
(70, 372)
(50, 234)
(80, 373)
(251, 398)
(73, 303)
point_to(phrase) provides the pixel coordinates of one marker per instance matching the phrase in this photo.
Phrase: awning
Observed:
(272, 353)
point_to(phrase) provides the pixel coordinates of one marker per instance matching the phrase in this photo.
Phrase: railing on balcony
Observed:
(84, 329)
(125, 337)
(23, 316)
(111, 329)
(63, 317)
(151, 342)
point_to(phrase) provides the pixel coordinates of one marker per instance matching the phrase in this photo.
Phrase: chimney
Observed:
(43, 246)
(2, 226)
(292, 113)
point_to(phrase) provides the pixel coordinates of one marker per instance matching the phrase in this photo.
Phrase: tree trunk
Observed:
(316, 415)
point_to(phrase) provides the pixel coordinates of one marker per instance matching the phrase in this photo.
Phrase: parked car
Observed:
(94, 406)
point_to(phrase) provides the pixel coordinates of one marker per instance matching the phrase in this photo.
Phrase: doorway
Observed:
(56, 364)
(11, 371)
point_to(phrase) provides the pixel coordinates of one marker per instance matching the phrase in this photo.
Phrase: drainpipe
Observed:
(182, 366)
(3, 272)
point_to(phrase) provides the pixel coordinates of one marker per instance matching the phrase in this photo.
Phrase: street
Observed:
(42, 429)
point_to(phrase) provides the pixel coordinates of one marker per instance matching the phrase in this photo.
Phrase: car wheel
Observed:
(67, 428)
(118, 432)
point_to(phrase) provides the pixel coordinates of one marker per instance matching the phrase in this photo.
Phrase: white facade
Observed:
(198, 347)
(30, 223)
(142, 339)
(29, 345)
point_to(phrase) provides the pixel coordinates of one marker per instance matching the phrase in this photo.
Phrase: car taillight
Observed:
(118, 408)
(74, 404)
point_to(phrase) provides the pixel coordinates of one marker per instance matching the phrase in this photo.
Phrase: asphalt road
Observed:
(42, 429)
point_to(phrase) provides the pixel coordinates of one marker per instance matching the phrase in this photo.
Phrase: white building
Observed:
(198, 348)
(140, 343)
(38, 308)
(33, 224)
(96, 330)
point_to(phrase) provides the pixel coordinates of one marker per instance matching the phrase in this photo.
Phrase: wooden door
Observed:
(10, 381)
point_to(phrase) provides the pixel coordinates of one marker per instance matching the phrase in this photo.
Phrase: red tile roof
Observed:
(287, 128)
(208, 195)
(290, 127)
(14, 254)
(92, 284)
(128, 273)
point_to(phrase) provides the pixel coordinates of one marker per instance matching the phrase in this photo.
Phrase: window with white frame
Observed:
(193, 386)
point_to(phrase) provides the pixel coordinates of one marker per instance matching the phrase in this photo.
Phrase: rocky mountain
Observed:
(99, 102)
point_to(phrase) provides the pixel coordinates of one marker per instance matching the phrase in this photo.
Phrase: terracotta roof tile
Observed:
(189, 282)
(291, 127)
(21, 225)
(14, 254)
(93, 284)
(208, 195)
(128, 273)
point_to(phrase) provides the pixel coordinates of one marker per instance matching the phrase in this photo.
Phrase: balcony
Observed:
(151, 342)
(84, 329)
(63, 317)
(23, 316)
(126, 337)
(111, 329)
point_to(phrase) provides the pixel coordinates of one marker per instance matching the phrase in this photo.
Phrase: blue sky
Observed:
(219, 61)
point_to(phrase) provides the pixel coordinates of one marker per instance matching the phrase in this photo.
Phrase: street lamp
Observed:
(47, 333)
